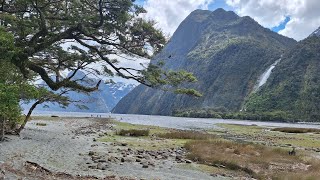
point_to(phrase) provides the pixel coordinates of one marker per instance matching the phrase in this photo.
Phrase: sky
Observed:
(293, 18)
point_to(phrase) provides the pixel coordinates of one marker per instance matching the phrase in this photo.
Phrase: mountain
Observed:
(294, 85)
(316, 32)
(227, 54)
(101, 101)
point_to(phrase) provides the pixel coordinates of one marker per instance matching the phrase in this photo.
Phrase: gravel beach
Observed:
(60, 149)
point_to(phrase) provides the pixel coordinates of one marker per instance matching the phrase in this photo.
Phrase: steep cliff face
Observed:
(294, 85)
(227, 54)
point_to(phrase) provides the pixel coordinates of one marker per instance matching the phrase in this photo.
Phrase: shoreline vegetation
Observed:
(130, 150)
(276, 116)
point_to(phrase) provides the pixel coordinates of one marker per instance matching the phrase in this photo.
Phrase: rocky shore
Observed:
(70, 148)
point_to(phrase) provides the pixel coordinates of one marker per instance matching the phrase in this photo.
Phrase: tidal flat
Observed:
(104, 148)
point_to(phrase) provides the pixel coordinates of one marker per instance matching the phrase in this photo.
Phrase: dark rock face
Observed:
(227, 54)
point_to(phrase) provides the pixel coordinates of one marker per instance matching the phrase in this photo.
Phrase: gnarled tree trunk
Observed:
(28, 115)
(2, 128)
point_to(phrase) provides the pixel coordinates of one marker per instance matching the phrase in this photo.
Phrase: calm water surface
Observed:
(174, 122)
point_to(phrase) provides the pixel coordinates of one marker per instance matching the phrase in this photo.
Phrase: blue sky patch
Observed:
(219, 4)
(282, 25)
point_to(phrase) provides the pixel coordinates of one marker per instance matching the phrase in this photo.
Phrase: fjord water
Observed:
(174, 122)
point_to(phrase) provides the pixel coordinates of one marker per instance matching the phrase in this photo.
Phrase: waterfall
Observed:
(265, 76)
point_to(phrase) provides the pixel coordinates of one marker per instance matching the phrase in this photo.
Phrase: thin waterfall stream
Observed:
(265, 76)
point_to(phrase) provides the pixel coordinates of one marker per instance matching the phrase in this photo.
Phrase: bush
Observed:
(241, 157)
(133, 132)
(187, 135)
(297, 130)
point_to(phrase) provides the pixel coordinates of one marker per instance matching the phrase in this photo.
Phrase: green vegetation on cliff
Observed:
(294, 85)
(226, 53)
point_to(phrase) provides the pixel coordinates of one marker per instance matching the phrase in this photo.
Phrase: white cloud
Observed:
(304, 14)
(170, 13)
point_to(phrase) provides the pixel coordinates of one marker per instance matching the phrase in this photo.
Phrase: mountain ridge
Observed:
(220, 48)
(316, 33)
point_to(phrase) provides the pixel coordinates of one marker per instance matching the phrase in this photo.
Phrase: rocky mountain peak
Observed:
(224, 15)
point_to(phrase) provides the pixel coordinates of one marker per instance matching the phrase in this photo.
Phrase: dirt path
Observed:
(58, 149)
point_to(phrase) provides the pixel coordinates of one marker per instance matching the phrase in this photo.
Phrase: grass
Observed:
(263, 135)
(133, 132)
(145, 143)
(127, 126)
(130, 134)
(187, 135)
(242, 129)
(250, 159)
(296, 130)
(215, 155)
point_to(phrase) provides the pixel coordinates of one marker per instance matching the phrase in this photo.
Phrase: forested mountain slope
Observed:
(227, 54)
(294, 85)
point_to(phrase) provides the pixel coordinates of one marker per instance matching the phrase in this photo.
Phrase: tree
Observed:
(41, 95)
(13, 88)
(9, 96)
(53, 36)
(44, 38)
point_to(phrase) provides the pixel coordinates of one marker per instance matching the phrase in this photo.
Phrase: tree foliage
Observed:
(53, 36)
(9, 80)
(14, 87)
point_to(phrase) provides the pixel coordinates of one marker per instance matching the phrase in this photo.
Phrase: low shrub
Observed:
(187, 135)
(297, 130)
(247, 158)
(133, 132)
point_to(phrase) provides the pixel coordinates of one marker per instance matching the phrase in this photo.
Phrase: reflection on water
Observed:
(174, 122)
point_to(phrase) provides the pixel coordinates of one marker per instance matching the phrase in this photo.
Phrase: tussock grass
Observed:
(133, 132)
(187, 135)
(251, 159)
(297, 130)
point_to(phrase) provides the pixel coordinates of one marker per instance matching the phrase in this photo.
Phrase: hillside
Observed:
(227, 54)
(294, 85)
